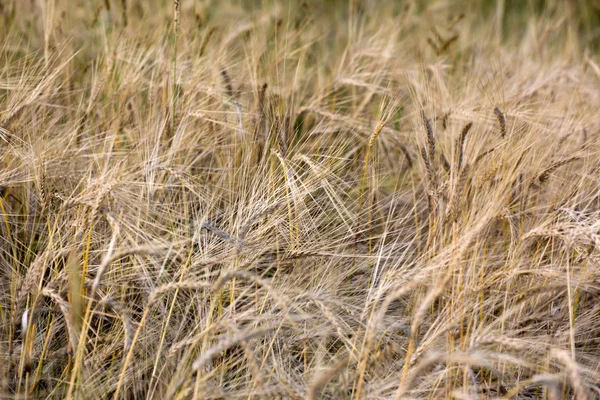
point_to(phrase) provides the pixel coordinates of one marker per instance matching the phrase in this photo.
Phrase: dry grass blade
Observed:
(431, 360)
(377, 317)
(128, 326)
(255, 218)
(173, 286)
(319, 381)
(64, 308)
(219, 232)
(412, 354)
(34, 274)
(109, 252)
(431, 296)
(581, 393)
(225, 344)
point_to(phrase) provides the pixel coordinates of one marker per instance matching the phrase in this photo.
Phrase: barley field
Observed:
(260, 199)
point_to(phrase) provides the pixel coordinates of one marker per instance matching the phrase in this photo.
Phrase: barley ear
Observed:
(430, 135)
(501, 121)
(460, 144)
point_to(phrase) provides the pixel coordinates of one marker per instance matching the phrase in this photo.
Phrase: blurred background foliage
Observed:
(514, 16)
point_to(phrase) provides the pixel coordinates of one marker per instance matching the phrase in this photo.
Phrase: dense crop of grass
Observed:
(288, 200)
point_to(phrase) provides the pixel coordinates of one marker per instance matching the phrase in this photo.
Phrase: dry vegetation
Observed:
(289, 200)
